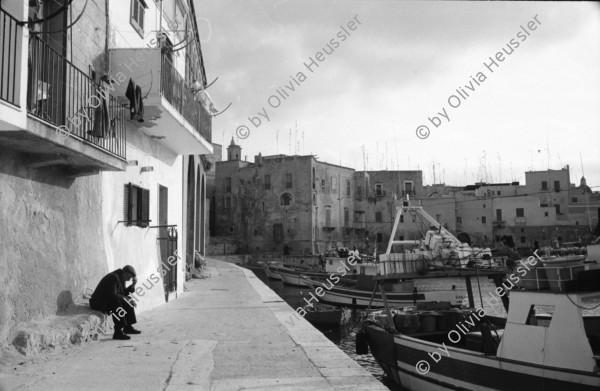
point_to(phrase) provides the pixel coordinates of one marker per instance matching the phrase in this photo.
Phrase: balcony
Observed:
(10, 46)
(520, 221)
(171, 114)
(52, 111)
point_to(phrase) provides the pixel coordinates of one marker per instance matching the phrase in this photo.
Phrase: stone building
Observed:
(298, 204)
(89, 182)
(546, 208)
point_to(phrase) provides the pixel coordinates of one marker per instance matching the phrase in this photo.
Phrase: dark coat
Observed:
(110, 290)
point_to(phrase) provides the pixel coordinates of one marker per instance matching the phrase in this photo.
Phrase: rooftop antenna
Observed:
(386, 157)
(364, 158)
(396, 147)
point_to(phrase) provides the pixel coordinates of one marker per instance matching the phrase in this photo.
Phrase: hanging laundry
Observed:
(136, 105)
(101, 121)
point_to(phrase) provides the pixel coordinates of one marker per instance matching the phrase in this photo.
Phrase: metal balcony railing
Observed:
(10, 37)
(173, 89)
(62, 95)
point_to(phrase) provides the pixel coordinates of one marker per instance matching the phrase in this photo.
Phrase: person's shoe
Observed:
(131, 330)
(121, 336)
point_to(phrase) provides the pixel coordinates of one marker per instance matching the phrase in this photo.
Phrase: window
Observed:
(498, 192)
(348, 188)
(402, 218)
(483, 220)
(136, 206)
(333, 183)
(520, 212)
(231, 229)
(286, 199)
(557, 207)
(379, 237)
(408, 187)
(328, 216)
(227, 203)
(322, 184)
(574, 199)
(438, 218)
(378, 217)
(267, 182)
(227, 185)
(314, 181)
(556, 185)
(379, 190)
(459, 220)
(346, 217)
(137, 16)
(522, 230)
(544, 185)
(288, 181)
(483, 206)
(359, 192)
(522, 239)
(545, 214)
(498, 214)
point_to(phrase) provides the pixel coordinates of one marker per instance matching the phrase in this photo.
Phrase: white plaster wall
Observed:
(134, 245)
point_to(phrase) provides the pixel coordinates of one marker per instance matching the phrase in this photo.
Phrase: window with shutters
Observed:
(288, 181)
(138, 8)
(136, 206)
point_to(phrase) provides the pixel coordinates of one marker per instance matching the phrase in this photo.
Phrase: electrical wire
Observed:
(66, 28)
(51, 16)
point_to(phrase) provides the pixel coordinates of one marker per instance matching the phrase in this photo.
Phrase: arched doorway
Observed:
(191, 201)
(198, 211)
(202, 217)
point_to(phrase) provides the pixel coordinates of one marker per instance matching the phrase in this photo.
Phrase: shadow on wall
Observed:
(16, 165)
(65, 306)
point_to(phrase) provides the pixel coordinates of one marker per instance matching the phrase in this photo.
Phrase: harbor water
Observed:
(344, 335)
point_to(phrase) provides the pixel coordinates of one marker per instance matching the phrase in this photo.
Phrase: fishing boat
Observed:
(348, 293)
(272, 271)
(323, 315)
(470, 350)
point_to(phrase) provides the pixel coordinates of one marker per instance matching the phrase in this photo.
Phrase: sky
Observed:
(392, 67)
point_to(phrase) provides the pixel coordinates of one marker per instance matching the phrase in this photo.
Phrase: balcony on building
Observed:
(172, 113)
(520, 220)
(50, 109)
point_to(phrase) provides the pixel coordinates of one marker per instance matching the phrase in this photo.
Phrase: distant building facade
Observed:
(298, 204)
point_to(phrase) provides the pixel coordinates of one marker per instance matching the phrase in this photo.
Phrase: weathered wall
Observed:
(50, 247)
(135, 245)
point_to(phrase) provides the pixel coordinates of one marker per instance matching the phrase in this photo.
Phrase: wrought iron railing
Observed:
(10, 37)
(173, 89)
(62, 95)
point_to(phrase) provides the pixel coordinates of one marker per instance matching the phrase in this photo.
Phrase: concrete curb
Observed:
(338, 369)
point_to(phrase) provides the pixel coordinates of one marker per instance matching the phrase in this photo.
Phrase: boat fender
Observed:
(362, 343)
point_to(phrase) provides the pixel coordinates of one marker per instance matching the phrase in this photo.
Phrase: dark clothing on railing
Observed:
(136, 104)
(103, 126)
(110, 296)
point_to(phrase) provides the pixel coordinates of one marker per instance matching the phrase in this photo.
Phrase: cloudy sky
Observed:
(400, 66)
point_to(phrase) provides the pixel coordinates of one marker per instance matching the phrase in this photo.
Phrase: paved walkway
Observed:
(227, 332)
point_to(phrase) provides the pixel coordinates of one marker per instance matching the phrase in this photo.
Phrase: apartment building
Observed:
(103, 131)
(297, 204)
